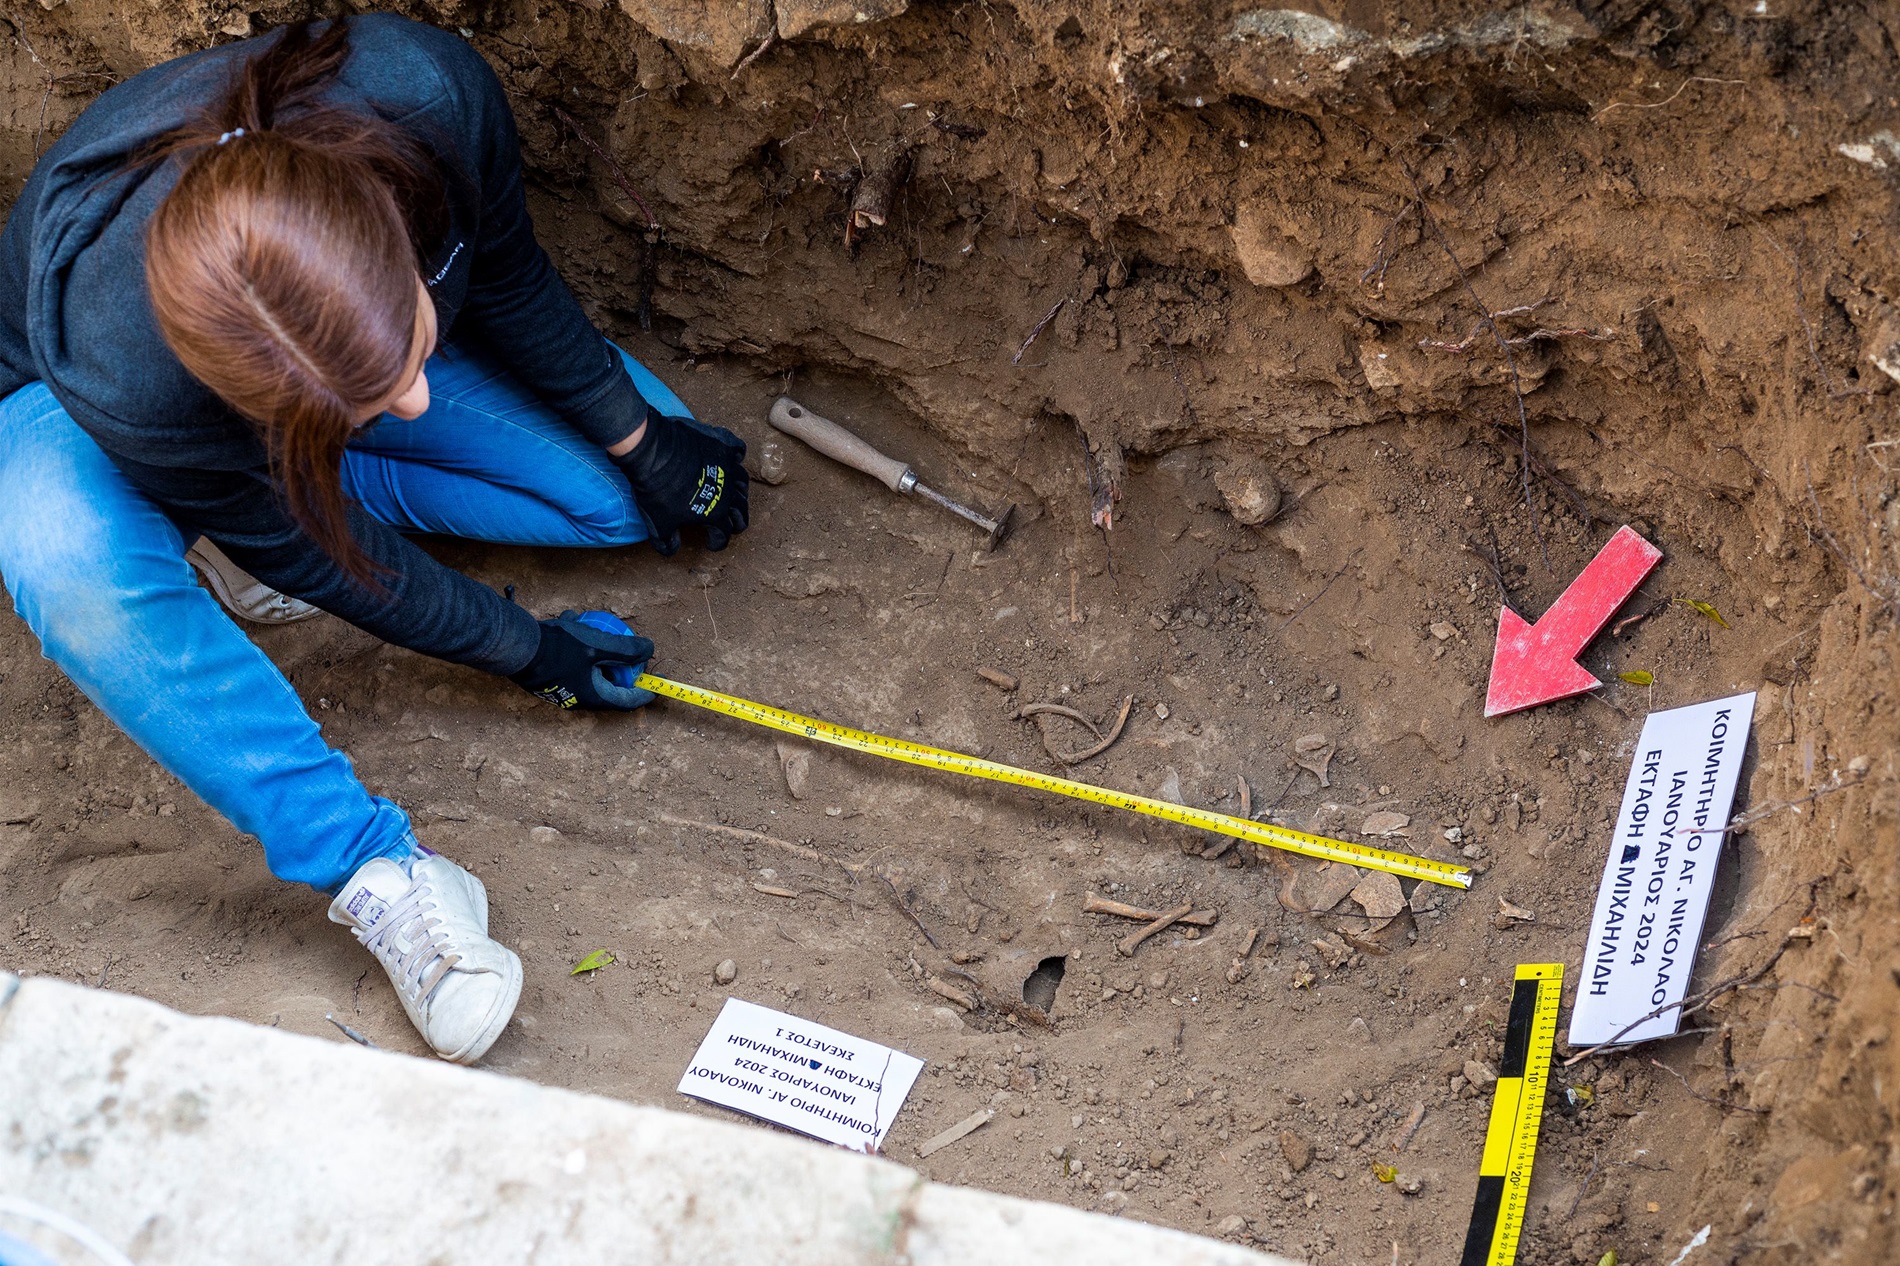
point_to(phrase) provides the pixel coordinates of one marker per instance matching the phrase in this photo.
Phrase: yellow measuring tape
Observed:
(1517, 1112)
(957, 763)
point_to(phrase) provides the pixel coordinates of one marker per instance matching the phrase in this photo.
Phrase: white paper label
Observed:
(801, 1075)
(1660, 872)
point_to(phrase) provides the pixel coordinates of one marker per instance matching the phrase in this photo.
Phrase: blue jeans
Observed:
(98, 572)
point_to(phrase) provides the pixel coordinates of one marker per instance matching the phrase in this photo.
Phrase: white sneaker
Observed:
(242, 593)
(428, 927)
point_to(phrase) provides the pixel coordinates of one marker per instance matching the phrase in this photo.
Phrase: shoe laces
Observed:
(413, 941)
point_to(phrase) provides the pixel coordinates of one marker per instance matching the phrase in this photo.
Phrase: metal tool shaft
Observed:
(988, 525)
(841, 445)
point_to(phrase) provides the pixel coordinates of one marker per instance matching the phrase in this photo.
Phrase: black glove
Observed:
(569, 670)
(684, 472)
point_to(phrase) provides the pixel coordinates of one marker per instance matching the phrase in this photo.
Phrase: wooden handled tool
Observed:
(839, 444)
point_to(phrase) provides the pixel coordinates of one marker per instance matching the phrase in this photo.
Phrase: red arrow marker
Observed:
(1537, 663)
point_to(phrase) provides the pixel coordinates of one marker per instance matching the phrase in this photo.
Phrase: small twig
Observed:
(1495, 561)
(1589, 517)
(650, 239)
(349, 1032)
(1383, 255)
(1322, 591)
(1768, 811)
(1283, 792)
(613, 166)
(765, 46)
(1510, 360)
(1695, 1002)
(1807, 326)
(1130, 943)
(1657, 105)
(1835, 548)
(1724, 1104)
(905, 907)
(1595, 1160)
(1041, 325)
(770, 841)
(1541, 334)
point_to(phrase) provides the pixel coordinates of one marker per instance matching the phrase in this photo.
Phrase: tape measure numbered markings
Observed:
(1402, 864)
(1517, 1110)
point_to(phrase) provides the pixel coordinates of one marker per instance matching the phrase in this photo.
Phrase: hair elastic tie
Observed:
(233, 134)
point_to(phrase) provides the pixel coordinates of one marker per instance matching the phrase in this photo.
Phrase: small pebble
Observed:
(726, 972)
(1161, 710)
(1331, 693)
(1857, 767)
(1297, 1151)
(544, 835)
(773, 465)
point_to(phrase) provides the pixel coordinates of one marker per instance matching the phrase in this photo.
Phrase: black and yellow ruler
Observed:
(1258, 833)
(1510, 1142)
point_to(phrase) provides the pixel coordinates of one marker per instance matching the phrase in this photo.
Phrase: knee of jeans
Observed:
(608, 518)
(76, 578)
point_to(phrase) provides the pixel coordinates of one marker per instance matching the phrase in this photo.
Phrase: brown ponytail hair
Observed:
(282, 266)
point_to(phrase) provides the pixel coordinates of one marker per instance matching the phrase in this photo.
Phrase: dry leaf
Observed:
(1638, 677)
(593, 962)
(1706, 608)
(1384, 1173)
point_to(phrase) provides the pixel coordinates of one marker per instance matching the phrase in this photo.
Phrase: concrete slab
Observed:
(189, 1141)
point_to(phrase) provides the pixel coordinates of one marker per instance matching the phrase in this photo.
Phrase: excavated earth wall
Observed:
(1048, 223)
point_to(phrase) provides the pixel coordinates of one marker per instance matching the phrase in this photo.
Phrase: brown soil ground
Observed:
(1227, 204)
